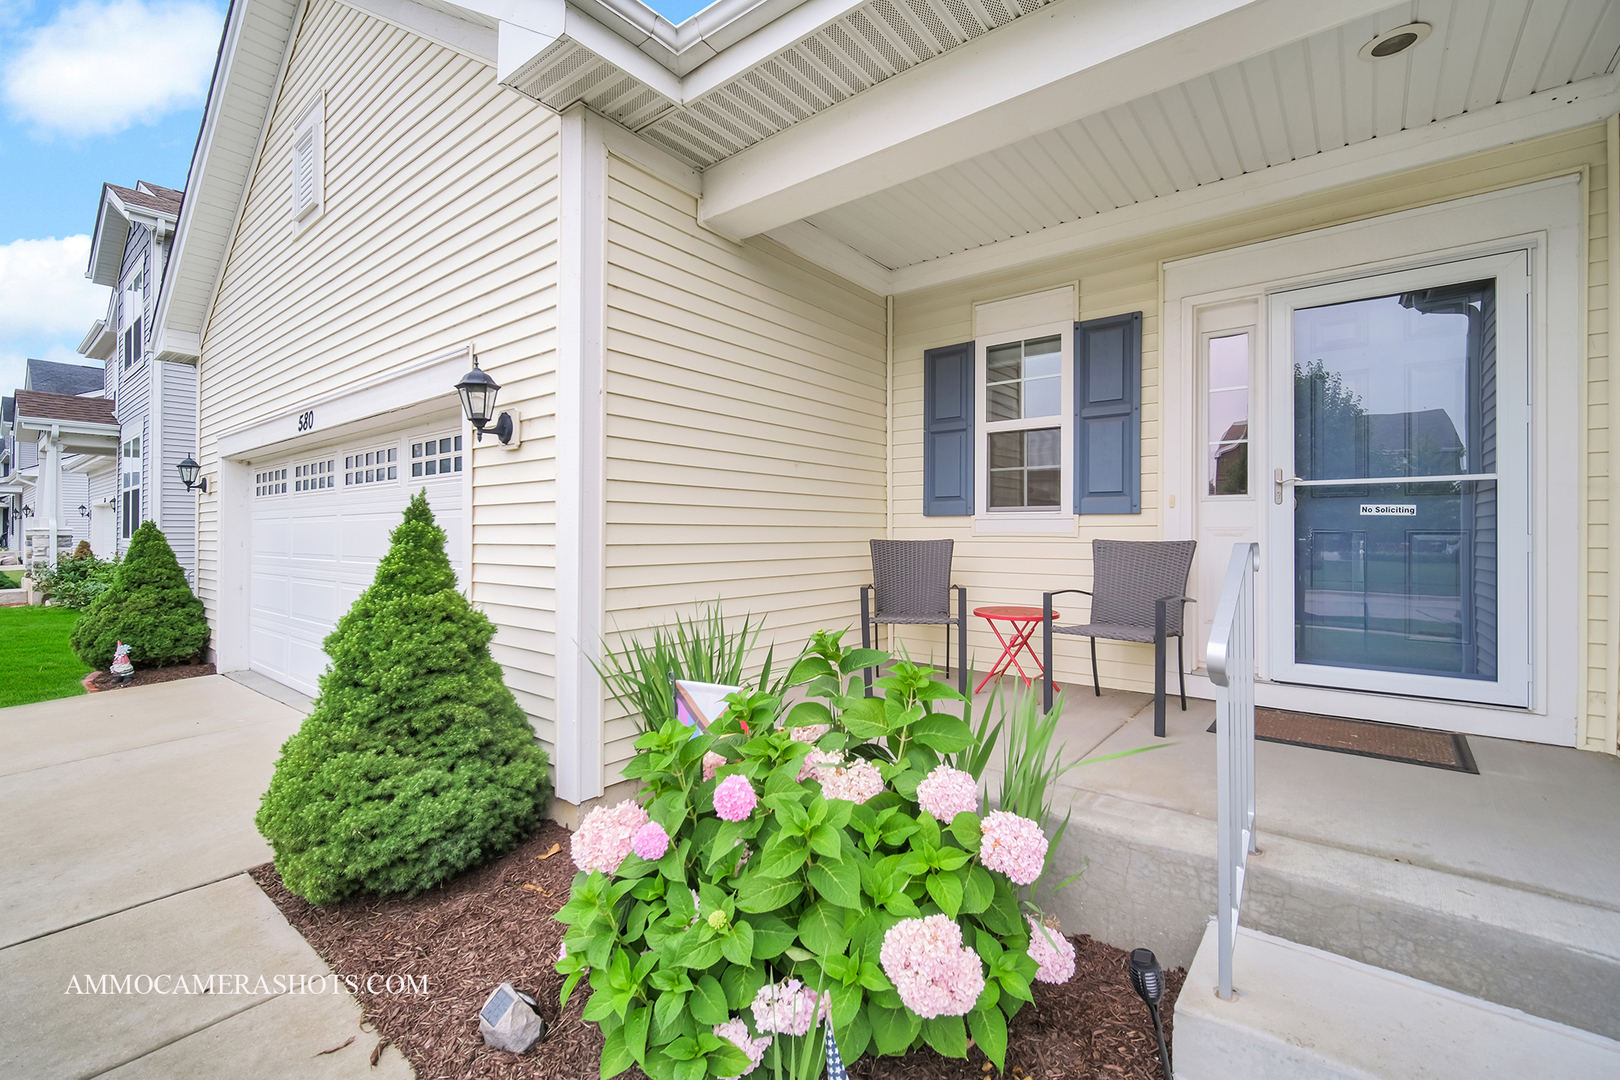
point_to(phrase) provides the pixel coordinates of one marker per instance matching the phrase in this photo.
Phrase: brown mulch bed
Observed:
(495, 925)
(146, 676)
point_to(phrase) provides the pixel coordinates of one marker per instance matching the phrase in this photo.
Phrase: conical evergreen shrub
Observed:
(149, 607)
(416, 762)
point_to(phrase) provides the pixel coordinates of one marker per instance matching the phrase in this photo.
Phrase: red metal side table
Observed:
(1022, 622)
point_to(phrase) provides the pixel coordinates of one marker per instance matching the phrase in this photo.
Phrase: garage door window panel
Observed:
(371, 467)
(436, 456)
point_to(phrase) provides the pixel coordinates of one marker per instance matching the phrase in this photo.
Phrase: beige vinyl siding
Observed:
(438, 230)
(1125, 278)
(745, 428)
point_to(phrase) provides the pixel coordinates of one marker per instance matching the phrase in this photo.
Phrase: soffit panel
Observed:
(1304, 99)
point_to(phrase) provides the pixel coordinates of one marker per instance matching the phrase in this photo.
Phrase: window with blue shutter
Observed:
(948, 477)
(1108, 415)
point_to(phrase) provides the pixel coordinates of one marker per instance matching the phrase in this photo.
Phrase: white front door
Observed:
(1397, 489)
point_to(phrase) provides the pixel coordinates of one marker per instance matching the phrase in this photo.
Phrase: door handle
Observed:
(1280, 483)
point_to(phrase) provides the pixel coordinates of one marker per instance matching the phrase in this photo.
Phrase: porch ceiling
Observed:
(1303, 99)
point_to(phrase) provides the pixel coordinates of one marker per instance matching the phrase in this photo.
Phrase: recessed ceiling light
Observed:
(1394, 42)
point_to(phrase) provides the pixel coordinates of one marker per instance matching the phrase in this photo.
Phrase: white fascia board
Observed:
(522, 39)
(98, 343)
(108, 240)
(176, 346)
(470, 38)
(1073, 59)
(1576, 105)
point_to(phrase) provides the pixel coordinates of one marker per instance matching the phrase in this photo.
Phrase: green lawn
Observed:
(10, 579)
(35, 661)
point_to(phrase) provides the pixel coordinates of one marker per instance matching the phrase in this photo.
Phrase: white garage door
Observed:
(320, 526)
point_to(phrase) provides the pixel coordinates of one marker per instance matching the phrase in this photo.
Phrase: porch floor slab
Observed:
(1504, 885)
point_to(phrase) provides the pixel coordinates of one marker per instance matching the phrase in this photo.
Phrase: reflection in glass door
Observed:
(1395, 483)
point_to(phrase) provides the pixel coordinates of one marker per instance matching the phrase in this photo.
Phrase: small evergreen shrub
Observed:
(416, 762)
(148, 607)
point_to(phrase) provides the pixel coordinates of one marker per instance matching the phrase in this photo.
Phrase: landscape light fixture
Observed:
(188, 474)
(478, 392)
(1148, 978)
(1394, 42)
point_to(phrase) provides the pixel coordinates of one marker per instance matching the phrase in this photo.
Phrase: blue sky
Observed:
(677, 11)
(90, 91)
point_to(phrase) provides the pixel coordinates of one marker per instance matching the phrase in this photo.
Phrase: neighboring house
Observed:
(793, 275)
(62, 427)
(11, 488)
(155, 397)
(23, 457)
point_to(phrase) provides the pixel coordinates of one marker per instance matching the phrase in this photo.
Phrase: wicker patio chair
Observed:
(1139, 589)
(911, 584)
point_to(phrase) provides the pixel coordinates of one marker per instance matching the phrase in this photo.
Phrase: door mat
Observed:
(1392, 742)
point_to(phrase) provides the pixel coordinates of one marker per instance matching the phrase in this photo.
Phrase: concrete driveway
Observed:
(131, 942)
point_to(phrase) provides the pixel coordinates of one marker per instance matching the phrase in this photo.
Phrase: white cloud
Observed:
(43, 290)
(97, 69)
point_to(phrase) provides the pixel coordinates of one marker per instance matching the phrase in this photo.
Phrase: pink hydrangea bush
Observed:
(935, 974)
(946, 792)
(817, 763)
(1052, 950)
(810, 732)
(606, 836)
(788, 1008)
(853, 783)
(711, 764)
(735, 799)
(650, 841)
(1013, 845)
(737, 1031)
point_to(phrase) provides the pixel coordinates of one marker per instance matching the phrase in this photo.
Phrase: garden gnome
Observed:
(121, 668)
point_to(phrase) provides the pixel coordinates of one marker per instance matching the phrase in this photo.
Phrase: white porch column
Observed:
(581, 316)
(50, 484)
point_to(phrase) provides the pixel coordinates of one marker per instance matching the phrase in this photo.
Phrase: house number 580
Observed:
(306, 421)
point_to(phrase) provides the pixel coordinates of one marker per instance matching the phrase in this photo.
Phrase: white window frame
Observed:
(131, 308)
(307, 153)
(1206, 389)
(1045, 314)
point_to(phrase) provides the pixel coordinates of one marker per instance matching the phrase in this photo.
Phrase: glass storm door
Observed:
(1402, 486)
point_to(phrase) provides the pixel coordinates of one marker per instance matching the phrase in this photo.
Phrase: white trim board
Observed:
(428, 381)
(1546, 218)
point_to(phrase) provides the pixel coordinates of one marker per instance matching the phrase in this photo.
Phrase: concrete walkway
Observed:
(128, 825)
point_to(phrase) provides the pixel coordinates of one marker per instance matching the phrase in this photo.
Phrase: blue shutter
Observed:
(1108, 415)
(948, 431)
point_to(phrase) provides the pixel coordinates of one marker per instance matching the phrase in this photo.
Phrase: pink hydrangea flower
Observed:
(562, 951)
(787, 1008)
(1013, 845)
(711, 764)
(856, 783)
(935, 974)
(810, 733)
(1053, 951)
(946, 792)
(650, 841)
(606, 835)
(734, 799)
(816, 761)
(737, 1031)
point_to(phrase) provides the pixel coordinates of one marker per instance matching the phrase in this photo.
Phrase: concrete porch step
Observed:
(1150, 881)
(1305, 1014)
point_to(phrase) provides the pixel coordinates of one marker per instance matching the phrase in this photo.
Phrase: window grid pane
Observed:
(1226, 413)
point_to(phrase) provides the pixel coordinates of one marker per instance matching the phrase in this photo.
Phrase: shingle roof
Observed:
(83, 410)
(150, 196)
(8, 409)
(50, 377)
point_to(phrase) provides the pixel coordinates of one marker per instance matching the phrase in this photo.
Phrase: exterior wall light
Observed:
(188, 474)
(28, 511)
(84, 511)
(477, 391)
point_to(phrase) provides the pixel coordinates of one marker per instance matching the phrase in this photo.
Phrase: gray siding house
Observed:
(155, 399)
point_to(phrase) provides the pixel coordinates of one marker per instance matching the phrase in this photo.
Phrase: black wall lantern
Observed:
(477, 391)
(84, 511)
(188, 474)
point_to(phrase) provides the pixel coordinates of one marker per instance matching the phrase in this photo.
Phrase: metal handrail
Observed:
(1230, 662)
